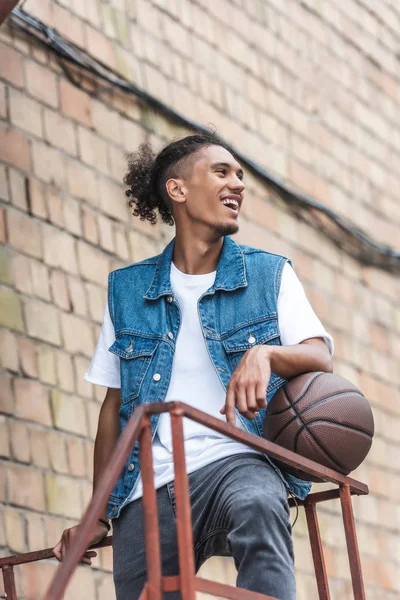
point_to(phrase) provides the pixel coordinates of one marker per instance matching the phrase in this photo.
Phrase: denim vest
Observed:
(241, 304)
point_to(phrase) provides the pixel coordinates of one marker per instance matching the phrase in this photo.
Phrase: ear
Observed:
(176, 190)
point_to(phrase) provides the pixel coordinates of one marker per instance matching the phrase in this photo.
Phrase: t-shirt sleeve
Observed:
(296, 317)
(104, 368)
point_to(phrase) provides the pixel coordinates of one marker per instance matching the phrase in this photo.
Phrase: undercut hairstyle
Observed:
(148, 173)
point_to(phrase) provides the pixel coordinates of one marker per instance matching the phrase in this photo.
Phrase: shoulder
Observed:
(257, 254)
(137, 268)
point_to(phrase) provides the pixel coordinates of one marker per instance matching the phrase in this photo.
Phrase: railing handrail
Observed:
(128, 438)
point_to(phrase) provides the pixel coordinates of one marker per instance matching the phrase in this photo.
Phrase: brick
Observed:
(4, 438)
(8, 351)
(4, 193)
(37, 577)
(82, 182)
(29, 495)
(121, 243)
(35, 531)
(65, 371)
(22, 273)
(59, 290)
(58, 459)
(32, 401)
(68, 413)
(77, 296)
(76, 457)
(11, 66)
(24, 233)
(5, 266)
(15, 529)
(97, 300)
(89, 226)
(10, 310)
(83, 388)
(49, 164)
(27, 354)
(20, 441)
(77, 334)
(25, 113)
(68, 25)
(3, 227)
(92, 149)
(75, 103)
(99, 46)
(83, 585)
(141, 246)
(15, 148)
(40, 279)
(59, 249)
(93, 265)
(42, 9)
(37, 200)
(60, 132)
(106, 233)
(42, 321)
(39, 453)
(18, 183)
(41, 83)
(3, 101)
(46, 364)
(71, 211)
(106, 122)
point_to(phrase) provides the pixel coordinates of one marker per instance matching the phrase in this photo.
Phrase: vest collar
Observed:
(231, 270)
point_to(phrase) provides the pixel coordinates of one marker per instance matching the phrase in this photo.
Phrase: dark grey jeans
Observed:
(239, 509)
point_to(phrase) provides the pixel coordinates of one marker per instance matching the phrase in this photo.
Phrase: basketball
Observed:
(323, 417)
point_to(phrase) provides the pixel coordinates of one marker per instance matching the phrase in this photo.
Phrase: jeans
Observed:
(239, 508)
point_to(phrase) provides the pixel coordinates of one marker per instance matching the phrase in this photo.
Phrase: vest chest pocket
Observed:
(248, 336)
(135, 354)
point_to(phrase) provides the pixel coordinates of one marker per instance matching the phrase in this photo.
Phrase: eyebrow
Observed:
(227, 166)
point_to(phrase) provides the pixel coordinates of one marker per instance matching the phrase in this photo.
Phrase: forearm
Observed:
(106, 439)
(289, 361)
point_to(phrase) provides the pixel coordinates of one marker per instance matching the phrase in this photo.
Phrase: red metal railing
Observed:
(139, 427)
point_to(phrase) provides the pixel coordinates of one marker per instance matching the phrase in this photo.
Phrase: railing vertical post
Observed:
(351, 541)
(317, 551)
(150, 511)
(183, 510)
(9, 582)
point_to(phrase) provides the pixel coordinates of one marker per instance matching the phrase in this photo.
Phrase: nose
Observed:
(237, 185)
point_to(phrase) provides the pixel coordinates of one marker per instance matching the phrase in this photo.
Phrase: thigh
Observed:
(129, 566)
(241, 489)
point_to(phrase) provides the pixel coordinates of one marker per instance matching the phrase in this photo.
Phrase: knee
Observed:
(263, 507)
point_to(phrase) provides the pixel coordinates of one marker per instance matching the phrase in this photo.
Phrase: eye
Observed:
(223, 171)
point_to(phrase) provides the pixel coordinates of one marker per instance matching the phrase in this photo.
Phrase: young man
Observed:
(219, 326)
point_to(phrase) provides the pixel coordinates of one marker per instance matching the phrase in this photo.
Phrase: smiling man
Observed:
(222, 327)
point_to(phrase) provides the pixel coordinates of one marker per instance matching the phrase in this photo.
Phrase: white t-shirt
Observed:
(193, 378)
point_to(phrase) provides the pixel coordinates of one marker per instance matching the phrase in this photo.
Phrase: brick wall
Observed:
(311, 91)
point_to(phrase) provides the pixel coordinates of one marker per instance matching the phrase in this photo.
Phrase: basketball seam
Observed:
(302, 412)
(318, 443)
(279, 412)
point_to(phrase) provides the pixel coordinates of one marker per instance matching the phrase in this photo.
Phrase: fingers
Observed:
(230, 405)
(57, 551)
(261, 395)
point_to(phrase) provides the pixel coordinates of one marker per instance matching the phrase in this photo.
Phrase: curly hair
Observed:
(148, 173)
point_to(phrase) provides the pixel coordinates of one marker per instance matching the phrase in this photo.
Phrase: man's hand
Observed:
(67, 538)
(247, 387)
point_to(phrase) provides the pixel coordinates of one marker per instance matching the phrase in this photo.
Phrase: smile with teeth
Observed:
(231, 203)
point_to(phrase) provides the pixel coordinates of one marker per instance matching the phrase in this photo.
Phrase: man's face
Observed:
(214, 190)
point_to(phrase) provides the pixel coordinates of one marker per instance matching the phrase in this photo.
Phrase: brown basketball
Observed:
(323, 417)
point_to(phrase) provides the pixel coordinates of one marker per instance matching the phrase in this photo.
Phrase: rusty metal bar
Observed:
(150, 511)
(96, 506)
(227, 591)
(352, 545)
(28, 557)
(317, 497)
(9, 582)
(183, 510)
(249, 439)
(317, 551)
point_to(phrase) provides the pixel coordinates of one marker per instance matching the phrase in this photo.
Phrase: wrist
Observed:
(268, 353)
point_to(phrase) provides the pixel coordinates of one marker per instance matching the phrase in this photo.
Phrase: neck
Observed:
(196, 256)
